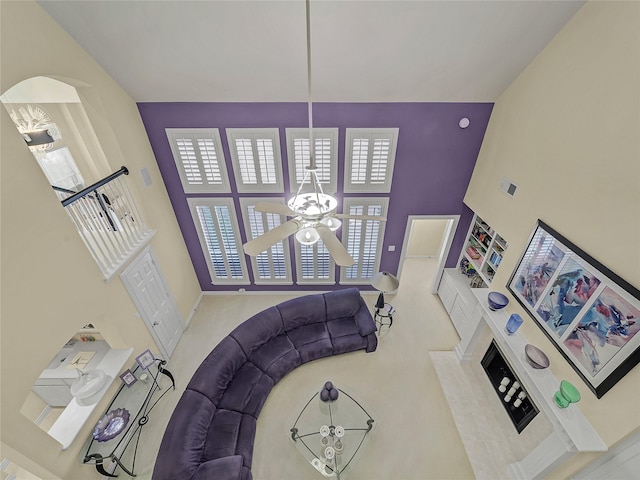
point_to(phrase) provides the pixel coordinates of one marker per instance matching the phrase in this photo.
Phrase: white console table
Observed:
(572, 431)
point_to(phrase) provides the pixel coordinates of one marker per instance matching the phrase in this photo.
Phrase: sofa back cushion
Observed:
(217, 370)
(258, 330)
(186, 433)
(342, 303)
(302, 311)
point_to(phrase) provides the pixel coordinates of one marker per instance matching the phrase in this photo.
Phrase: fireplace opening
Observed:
(513, 397)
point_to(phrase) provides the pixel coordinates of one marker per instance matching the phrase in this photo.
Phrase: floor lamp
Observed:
(385, 283)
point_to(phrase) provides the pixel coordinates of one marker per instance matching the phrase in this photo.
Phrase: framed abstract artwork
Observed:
(591, 315)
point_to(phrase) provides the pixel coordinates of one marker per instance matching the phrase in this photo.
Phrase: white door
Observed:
(149, 292)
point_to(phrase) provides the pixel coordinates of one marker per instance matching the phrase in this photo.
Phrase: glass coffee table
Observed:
(329, 434)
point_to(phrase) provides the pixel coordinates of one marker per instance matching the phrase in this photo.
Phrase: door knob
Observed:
(155, 324)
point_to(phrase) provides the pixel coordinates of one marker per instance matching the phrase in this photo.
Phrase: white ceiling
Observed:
(362, 51)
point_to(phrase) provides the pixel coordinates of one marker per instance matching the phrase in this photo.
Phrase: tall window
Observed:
(369, 159)
(325, 154)
(199, 159)
(314, 264)
(217, 226)
(363, 238)
(257, 164)
(272, 265)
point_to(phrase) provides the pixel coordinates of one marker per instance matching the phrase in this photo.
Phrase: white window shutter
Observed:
(199, 159)
(314, 264)
(363, 238)
(273, 266)
(326, 156)
(217, 226)
(256, 158)
(369, 159)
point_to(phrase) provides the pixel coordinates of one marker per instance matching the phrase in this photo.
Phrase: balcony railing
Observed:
(108, 221)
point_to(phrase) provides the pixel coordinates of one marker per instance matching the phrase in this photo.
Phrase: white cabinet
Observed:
(460, 303)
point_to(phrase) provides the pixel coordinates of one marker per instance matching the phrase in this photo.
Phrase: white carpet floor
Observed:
(415, 436)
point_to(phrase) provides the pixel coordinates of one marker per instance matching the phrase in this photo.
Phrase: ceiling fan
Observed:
(313, 212)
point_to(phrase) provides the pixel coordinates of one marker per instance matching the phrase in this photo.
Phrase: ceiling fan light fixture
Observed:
(312, 205)
(332, 223)
(307, 236)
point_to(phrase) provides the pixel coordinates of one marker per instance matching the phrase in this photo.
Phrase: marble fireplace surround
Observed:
(494, 448)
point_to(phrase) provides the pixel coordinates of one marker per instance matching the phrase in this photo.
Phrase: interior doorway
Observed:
(151, 295)
(429, 236)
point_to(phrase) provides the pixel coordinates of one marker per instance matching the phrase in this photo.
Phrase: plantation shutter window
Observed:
(217, 227)
(325, 154)
(314, 264)
(363, 238)
(199, 159)
(257, 163)
(369, 160)
(272, 266)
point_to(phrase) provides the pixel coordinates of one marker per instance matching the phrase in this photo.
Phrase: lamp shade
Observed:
(385, 282)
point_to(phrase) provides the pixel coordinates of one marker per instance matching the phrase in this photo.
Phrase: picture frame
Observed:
(145, 359)
(128, 378)
(590, 314)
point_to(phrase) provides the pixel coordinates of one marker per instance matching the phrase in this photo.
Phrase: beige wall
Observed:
(426, 235)
(566, 131)
(50, 284)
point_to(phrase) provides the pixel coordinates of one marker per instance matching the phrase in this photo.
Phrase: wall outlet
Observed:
(392, 248)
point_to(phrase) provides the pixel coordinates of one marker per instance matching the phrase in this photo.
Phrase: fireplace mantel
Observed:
(540, 384)
(572, 431)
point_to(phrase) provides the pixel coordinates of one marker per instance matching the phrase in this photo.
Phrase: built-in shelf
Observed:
(541, 384)
(75, 415)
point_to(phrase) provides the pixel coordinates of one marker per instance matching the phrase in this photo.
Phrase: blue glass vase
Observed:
(513, 323)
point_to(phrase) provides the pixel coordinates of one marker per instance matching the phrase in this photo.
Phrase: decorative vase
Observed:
(513, 323)
(566, 395)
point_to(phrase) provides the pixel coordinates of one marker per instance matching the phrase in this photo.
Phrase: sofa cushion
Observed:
(308, 334)
(229, 468)
(231, 433)
(276, 358)
(258, 330)
(319, 349)
(349, 343)
(217, 370)
(302, 311)
(186, 433)
(342, 303)
(248, 390)
(341, 327)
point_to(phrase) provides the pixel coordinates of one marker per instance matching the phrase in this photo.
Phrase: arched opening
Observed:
(51, 118)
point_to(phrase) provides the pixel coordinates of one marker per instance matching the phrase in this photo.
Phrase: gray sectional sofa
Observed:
(210, 434)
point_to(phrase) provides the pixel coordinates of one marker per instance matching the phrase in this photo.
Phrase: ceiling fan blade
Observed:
(271, 207)
(335, 246)
(361, 217)
(270, 238)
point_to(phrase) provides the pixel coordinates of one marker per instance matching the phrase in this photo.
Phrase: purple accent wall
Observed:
(434, 160)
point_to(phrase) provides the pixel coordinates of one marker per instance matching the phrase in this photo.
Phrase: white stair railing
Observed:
(108, 220)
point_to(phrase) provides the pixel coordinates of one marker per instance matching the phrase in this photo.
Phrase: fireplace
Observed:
(507, 385)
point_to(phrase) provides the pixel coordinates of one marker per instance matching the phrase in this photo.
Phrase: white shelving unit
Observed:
(484, 249)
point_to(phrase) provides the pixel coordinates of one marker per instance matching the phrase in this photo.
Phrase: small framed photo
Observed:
(128, 378)
(145, 359)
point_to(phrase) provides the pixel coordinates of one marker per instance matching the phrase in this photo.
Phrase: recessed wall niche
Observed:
(51, 392)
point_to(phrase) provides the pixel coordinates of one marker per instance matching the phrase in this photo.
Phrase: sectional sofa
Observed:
(211, 432)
